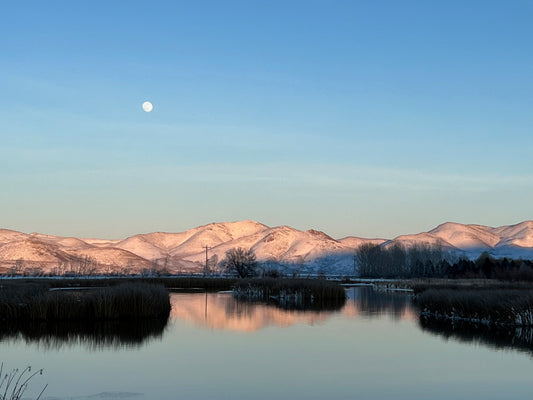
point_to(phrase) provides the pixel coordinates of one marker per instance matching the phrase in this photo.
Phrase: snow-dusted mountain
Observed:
(515, 241)
(282, 246)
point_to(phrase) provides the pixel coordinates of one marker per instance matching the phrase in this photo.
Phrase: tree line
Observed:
(432, 261)
(398, 261)
(486, 266)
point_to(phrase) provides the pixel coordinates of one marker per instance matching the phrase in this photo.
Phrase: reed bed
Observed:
(420, 286)
(171, 282)
(125, 301)
(504, 307)
(292, 293)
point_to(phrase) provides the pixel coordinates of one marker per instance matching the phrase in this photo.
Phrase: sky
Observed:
(366, 118)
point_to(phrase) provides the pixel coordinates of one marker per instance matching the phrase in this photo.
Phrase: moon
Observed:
(147, 106)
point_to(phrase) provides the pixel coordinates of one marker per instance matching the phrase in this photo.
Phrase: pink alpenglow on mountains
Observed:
(282, 246)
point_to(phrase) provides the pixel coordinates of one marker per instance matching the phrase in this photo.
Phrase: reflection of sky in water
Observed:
(365, 351)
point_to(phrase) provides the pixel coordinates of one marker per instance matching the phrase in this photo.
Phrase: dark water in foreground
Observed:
(215, 348)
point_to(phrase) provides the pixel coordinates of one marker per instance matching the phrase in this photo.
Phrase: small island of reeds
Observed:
(292, 293)
(37, 302)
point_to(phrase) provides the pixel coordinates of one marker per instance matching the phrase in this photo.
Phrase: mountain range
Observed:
(284, 247)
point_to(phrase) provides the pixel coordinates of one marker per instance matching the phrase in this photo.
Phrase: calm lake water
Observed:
(216, 348)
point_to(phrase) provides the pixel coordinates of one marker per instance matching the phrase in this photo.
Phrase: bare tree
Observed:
(18, 268)
(368, 255)
(241, 262)
(83, 265)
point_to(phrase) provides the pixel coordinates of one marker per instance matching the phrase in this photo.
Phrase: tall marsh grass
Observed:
(485, 306)
(171, 282)
(419, 285)
(125, 301)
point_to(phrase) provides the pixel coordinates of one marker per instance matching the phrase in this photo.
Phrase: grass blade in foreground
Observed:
(13, 384)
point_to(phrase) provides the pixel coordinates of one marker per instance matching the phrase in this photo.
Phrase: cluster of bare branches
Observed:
(240, 262)
(397, 261)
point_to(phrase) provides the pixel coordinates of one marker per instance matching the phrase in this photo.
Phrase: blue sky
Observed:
(368, 118)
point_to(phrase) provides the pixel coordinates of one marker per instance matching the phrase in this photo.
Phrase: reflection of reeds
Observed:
(489, 307)
(94, 335)
(371, 302)
(130, 300)
(292, 293)
(509, 337)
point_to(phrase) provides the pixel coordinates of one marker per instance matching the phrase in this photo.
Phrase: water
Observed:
(216, 348)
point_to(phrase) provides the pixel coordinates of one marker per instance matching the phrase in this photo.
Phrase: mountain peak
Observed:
(320, 234)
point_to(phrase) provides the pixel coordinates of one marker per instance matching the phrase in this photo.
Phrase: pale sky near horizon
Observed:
(366, 118)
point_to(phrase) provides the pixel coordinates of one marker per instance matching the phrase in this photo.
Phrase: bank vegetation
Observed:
(36, 302)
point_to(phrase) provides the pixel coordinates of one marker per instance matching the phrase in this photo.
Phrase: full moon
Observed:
(147, 106)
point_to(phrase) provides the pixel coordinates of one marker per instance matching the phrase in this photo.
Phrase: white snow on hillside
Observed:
(466, 236)
(424, 238)
(7, 236)
(32, 250)
(114, 257)
(66, 243)
(101, 242)
(354, 242)
(142, 246)
(515, 235)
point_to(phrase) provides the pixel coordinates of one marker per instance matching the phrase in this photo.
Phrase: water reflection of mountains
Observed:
(512, 338)
(220, 311)
(95, 335)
